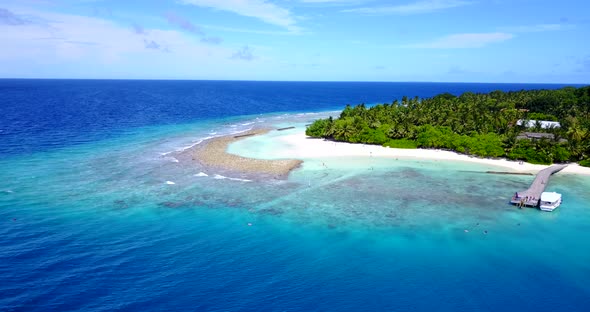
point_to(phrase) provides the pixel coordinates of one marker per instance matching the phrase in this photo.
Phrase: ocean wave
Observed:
(182, 149)
(220, 177)
(201, 174)
(170, 183)
(194, 144)
(307, 114)
(212, 134)
(242, 131)
(172, 159)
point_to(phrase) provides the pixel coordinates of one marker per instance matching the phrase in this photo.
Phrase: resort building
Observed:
(545, 124)
(535, 136)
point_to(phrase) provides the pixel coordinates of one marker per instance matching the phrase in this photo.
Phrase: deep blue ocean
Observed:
(91, 221)
(43, 114)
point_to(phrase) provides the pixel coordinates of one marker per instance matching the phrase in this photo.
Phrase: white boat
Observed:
(550, 201)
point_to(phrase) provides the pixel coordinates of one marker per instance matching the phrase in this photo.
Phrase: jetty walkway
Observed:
(532, 195)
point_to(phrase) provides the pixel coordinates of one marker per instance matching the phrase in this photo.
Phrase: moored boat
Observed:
(550, 201)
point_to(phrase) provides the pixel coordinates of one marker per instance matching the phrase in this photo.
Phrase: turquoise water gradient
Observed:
(96, 227)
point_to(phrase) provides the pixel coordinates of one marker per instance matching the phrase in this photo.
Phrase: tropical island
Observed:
(536, 126)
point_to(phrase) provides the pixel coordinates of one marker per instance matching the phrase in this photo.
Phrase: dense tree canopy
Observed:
(477, 124)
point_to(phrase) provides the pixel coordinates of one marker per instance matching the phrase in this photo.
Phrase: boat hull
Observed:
(550, 207)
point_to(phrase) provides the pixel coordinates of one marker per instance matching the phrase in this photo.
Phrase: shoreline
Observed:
(304, 147)
(296, 148)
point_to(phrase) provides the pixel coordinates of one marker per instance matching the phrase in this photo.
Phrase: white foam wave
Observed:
(193, 145)
(170, 183)
(307, 114)
(242, 131)
(201, 174)
(238, 179)
(172, 159)
(220, 177)
(182, 149)
(247, 123)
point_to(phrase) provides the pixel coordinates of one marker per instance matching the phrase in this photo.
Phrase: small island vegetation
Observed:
(495, 124)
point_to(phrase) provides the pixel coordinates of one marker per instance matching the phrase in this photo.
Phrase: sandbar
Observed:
(213, 154)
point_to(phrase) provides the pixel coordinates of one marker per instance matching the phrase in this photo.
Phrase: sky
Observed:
(298, 40)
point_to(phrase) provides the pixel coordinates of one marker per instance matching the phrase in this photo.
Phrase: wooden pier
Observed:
(532, 195)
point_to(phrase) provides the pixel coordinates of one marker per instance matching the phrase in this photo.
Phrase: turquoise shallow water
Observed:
(100, 226)
(96, 214)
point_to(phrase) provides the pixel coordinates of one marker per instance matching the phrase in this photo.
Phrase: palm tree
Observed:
(576, 136)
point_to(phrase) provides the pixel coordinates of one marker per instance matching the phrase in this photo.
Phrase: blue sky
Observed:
(311, 40)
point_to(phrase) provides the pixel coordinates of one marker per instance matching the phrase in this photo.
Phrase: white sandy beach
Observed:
(299, 146)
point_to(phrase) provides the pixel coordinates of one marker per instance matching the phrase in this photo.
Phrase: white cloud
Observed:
(90, 46)
(177, 20)
(418, 7)
(9, 18)
(464, 41)
(251, 31)
(537, 28)
(245, 53)
(263, 10)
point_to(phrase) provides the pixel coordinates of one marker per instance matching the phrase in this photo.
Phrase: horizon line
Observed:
(316, 81)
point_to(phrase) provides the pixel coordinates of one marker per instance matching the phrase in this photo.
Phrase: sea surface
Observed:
(96, 215)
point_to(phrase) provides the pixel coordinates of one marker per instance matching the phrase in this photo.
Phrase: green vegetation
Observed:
(401, 143)
(477, 124)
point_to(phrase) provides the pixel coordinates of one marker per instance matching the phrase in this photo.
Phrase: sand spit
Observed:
(213, 154)
(295, 145)
(303, 147)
